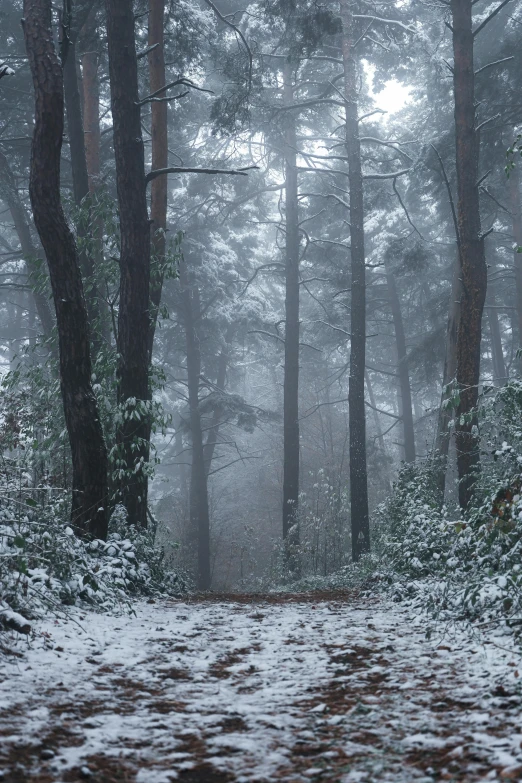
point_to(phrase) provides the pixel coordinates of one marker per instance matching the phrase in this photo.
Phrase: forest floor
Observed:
(316, 687)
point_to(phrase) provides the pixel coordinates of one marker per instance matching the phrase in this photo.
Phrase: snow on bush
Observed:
(465, 566)
(44, 565)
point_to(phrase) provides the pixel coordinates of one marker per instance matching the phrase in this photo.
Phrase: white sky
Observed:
(393, 97)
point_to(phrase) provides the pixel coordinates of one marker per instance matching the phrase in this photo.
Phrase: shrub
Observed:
(44, 565)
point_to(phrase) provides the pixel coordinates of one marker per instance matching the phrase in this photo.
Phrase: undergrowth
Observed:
(45, 567)
(456, 566)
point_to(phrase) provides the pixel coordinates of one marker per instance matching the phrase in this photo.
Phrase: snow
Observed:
(268, 690)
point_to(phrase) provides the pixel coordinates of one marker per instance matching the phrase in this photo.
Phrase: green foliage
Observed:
(43, 565)
(471, 564)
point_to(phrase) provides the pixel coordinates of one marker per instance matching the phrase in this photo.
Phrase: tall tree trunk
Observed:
(357, 415)
(133, 316)
(73, 110)
(291, 369)
(89, 456)
(10, 194)
(91, 119)
(402, 369)
(92, 143)
(449, 374)
(80, 177)
(471, 247)
(516, 217)
(199, 512)
(497, 352)
(160, 156)
(385, 477)
(213, 433)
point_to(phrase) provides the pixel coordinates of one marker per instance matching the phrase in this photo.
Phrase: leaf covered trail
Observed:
(258, 689)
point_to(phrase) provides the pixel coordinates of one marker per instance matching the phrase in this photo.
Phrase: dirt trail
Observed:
(326, 687)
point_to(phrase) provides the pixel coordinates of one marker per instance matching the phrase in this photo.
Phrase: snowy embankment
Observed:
(269, 689)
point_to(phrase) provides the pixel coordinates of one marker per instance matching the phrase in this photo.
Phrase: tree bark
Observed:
(199, 511)
(92, 142)
(402, 369)
(213, 433)
(357, 415)
(160, 156)
(89, 456)
(73, 110)
(91, 119)
(516, 217)
(471, 247)
(133, 316)
(80, 177)
(291, 366)
(497, 353)
(10, 194)
(448, 375)
(379, 436)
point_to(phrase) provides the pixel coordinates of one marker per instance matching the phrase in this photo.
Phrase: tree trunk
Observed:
(89, 456)
(449, 374)
(357, 415)
(73, 110)
(199, 513)
(10, 194)
(471, 250)
(92, 142)
(497, 352)
(212, 437)
(516, 216)
(291, 368)
(80, 177)
(387, 486)
(402, 369)
(160, 156)
(91, 119)
(133, 316)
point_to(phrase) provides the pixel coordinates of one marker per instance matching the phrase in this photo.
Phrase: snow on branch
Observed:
(189, 170)
(181, 81)
(490, 17)
(5, 70)
(406, 27)
(391, 175)
(492, 65)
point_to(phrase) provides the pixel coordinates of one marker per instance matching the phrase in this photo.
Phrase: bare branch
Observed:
(146, 51)
(406, 27)
(450, 196)
(392, 175)
(490, 17)
(188, 170)
(370, 114)
(486, 122)
(379, 410)
(401, 202)
(177, 82)
(491, 65)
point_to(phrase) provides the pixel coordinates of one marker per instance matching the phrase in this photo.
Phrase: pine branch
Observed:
(240, 34)
(189, 170)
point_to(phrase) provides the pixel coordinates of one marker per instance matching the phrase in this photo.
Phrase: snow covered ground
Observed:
(212, 691)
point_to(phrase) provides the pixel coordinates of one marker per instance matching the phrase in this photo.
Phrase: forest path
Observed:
(274, 688)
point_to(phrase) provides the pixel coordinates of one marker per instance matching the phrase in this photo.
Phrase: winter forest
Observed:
(260, 386)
